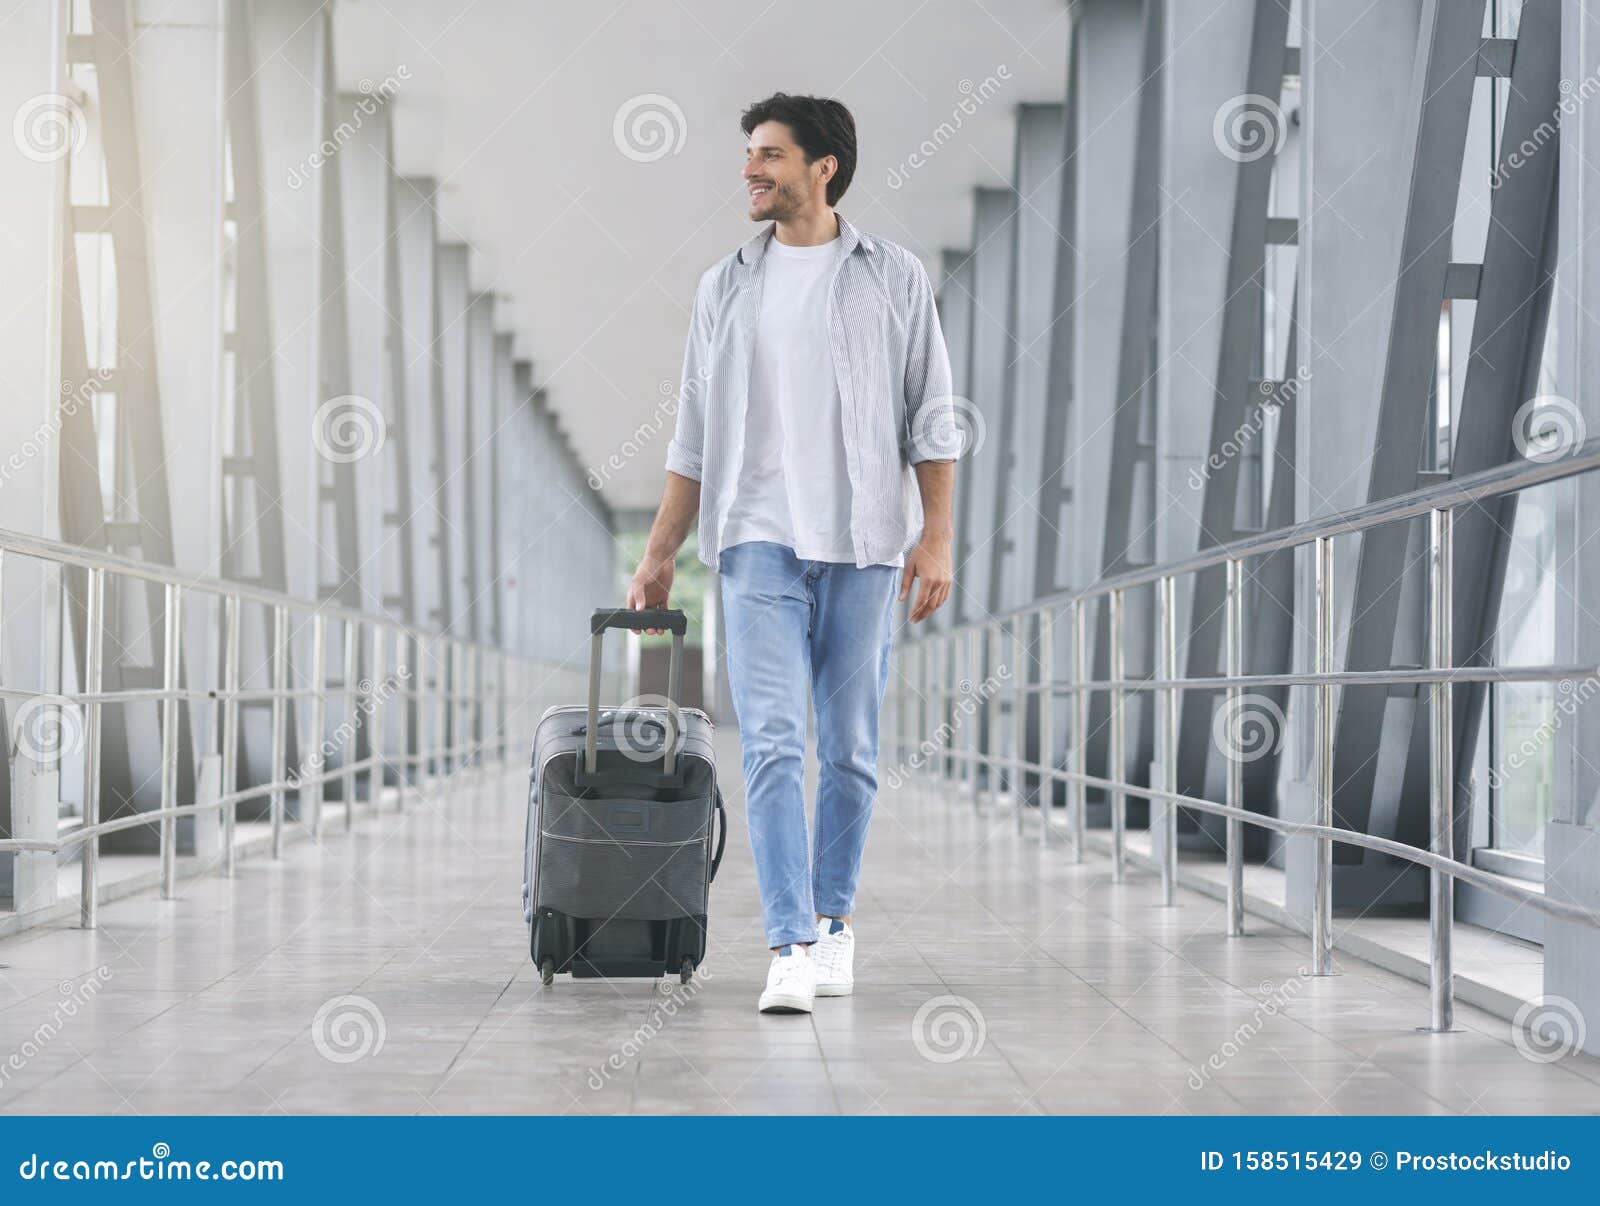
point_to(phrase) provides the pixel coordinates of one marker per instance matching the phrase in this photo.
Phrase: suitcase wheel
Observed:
(547, 970)
(686, 971)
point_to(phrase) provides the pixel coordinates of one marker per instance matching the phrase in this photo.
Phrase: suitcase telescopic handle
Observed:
(670, 618)
(674, 621)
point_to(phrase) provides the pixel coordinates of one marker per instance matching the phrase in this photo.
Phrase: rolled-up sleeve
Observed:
(685, 452)
(929, 407)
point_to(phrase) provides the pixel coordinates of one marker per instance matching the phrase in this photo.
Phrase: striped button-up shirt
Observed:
(894, 388)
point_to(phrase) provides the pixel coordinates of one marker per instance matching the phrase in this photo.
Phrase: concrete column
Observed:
(1206, 71)
(993, 232)
(1208, 51)
(417, 224)
(365, 179)
(1031, 314)
(32, 207)
(1572, 870)
(1356, 77)
(504, 441)
(480, 461)
(520, 557)
(1104, 142)
(542, 622)
(454, 299)
(289, 40)
(178, 73)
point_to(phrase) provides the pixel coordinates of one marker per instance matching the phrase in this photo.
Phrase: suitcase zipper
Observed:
(561, 837)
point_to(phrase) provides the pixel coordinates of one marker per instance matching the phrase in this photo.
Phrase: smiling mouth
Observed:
(758, 191)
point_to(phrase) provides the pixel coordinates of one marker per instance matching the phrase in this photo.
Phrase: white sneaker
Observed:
(835, 957)
(791, 981)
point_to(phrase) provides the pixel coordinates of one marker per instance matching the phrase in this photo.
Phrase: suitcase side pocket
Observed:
(625, 858)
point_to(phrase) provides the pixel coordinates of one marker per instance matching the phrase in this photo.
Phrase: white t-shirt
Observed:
(794, 482)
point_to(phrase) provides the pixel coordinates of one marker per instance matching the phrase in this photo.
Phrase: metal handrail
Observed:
(43, 549)
(1509, 478)
(932, 665)
(466, 693)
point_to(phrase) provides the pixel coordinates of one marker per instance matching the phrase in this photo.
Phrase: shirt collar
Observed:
(849, 236)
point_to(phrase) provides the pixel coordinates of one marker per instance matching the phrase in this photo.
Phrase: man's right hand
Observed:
(651, 585)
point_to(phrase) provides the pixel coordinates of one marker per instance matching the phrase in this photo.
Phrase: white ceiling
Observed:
(511, 105)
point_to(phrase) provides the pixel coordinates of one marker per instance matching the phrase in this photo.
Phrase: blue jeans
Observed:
(791, 623)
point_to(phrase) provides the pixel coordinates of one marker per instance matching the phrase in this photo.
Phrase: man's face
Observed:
(780, 182)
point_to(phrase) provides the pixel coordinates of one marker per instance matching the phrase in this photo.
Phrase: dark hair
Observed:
(821, 126)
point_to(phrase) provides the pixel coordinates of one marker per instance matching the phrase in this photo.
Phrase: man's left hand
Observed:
(930, 562)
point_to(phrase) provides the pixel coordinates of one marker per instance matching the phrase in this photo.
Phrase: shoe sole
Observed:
(835, 990)
(785, 1004)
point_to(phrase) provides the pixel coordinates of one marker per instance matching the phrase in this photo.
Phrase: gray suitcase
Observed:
(622, 805)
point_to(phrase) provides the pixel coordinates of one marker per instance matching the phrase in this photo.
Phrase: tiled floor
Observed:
(993, 977)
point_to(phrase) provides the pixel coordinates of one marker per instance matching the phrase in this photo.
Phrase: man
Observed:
(815, 443)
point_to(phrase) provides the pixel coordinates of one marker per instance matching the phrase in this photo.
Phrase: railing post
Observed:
(171, 675)
(1233, 625)
(319, 724)
(280, 716)
(230, 729)
(480, 704)
(1077, 791)
(901, 660)
(502, 695)
(1322, 878)
(919, 711)
(352, 662)
(502, 709)
(402, 676)
(93, 675)
(1167, 732)
(1019, 715)
(459, 736)
(494, 733)
(378, 716)
(1115, 772)
(439, 658)
(994, 757)
(938, 711)
(1047, 725)
(972, 709)
(1441, 769)
(914, 726)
